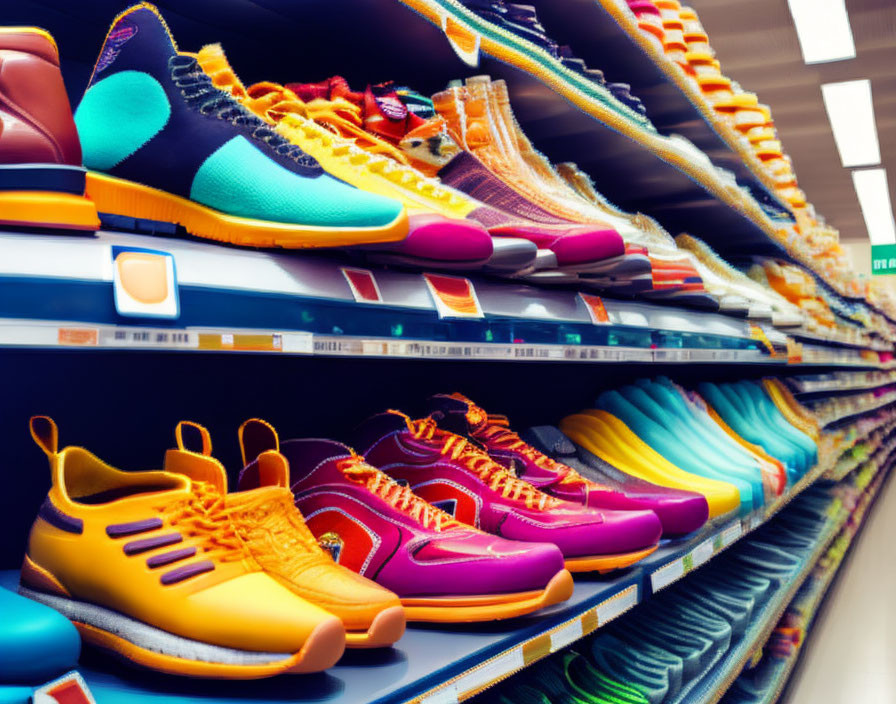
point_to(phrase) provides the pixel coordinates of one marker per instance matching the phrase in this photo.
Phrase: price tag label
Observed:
(667, 574)
(703, 552)
(81, 337)
(68, 689)
(453, 296)
(617, 605)
(144, 283)
(363, 285)
(444, 695)
(496, 669)
(596, 309)
(566, 634)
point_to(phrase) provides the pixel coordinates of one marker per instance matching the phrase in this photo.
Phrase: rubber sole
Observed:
(387, 628)
(607, 563)
(133, 200)
(48, 209)
(489, 607)
(156, 649)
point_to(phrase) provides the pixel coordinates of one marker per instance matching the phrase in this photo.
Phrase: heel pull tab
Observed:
(45, 434)
(257, 436)
(273, 469)
(193, 429)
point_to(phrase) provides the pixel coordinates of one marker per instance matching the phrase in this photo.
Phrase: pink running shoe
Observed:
(442, 570)
(680, 512)
(451, 473)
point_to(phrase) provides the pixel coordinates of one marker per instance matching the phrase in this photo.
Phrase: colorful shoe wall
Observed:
(382, 352)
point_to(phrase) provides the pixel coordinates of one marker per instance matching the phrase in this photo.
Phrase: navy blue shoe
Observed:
(162, 144)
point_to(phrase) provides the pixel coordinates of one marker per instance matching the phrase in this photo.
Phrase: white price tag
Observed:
(702, 553)
(732, 533)
(496, 669)
(617, 605)
(566, 634)
(667, 574)
(445, 695)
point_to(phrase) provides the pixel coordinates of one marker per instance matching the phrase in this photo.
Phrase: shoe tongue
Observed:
(214, 62)
(138, 37)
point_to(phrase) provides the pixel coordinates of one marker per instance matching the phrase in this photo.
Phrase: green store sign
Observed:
(883, 259)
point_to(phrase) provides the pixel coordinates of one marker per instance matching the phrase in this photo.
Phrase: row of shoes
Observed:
(451, 517)
(661, 651)
(675, 38)
(171, 138)
(757, 681)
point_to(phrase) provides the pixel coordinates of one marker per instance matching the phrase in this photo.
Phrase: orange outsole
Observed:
(607, 563)
(387, 627)
(120, 197)
(323, 648)
(47, 209)
(490, 607)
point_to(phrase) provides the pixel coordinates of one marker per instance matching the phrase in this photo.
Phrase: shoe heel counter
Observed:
(35, 126)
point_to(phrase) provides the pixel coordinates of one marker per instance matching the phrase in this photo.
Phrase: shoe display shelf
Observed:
(605, 34)
(850, 462)
(637, 167)
(69, 292)
(713, 686)
(829, 419)
(775, 671)
(805, 387)
(442, 664)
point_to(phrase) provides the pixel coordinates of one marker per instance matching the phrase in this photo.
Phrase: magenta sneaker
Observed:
(680, 512)
(451, 473)
(443, 570)
(440, 242)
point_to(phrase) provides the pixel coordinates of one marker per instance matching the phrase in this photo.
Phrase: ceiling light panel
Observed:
(874, 197)
(822, 27)
(851, 113)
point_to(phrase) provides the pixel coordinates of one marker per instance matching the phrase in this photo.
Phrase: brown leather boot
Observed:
(41, 175)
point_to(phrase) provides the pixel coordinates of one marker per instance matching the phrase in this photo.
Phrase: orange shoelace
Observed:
(204, 515)
(401, 497)
(496, 476)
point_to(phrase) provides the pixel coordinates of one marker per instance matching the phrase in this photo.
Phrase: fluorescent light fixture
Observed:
(851, 113)
(822, 27)
(874, 197)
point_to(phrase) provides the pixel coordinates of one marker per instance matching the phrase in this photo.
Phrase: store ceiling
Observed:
(756, 42)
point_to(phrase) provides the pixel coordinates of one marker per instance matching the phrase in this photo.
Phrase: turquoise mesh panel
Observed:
(112, 128)
(238, 179)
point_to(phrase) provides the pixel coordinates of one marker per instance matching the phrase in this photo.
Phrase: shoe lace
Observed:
(200, 93)
(497, 477)
(272, 526)
(337, 124)
(205, 516)
(496, 428)
(401, 497)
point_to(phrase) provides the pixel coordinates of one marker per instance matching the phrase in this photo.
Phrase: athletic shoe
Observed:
(267, 522)
(41, 175)
(443, 570)
(150, 566)
(424, 141)
(679, 512)
(453, 474)
(36, 642)
(164, 145)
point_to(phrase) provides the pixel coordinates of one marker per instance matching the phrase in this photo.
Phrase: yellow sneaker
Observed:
(149, 566)
(273, 530)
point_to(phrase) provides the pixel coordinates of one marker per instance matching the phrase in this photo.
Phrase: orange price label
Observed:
(454, 296)
(597, 311)
(78, 336)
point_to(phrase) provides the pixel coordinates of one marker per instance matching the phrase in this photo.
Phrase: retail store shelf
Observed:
(847, 382)
(830, 419)
(605, 34)
(63, 292)
(776, 680)
(439, 663)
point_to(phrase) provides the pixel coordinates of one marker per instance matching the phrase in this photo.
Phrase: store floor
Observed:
(850, 655)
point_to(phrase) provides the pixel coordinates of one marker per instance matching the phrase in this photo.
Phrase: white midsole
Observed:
(149, 637)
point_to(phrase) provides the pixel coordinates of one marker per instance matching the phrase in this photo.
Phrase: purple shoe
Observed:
(453, 474)
(442, 570)
(680, 512)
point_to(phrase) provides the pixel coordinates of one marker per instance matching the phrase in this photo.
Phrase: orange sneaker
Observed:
(273, 530)
(149, 566)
